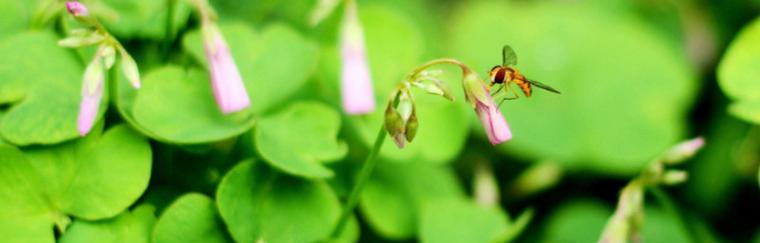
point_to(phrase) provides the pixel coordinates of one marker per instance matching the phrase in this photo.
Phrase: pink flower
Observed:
(488, 112)
(493, 121)
(77, 9)
(92, 93)
(356, 83)
(229, 90)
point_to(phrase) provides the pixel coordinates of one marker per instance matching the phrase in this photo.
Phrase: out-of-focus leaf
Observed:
(16, 16)
(584, 220)
(612, 116)
(178, 106)
(300, 138)
(44, 94)
(395, 196)
(274, 64)
(25, 217)
(739, 75)
(145, 19)
(135, 226)
(99, 176)
(394, 48)
(460, 221)
(260, 204)
(93, 178)
(191, 218)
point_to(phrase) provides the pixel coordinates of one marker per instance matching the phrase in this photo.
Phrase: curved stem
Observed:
(436, 62)
(361, 181)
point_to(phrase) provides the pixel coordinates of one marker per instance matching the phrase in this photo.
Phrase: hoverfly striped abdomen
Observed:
(524, 85)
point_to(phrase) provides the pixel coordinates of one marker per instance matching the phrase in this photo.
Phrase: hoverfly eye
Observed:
(499, 77)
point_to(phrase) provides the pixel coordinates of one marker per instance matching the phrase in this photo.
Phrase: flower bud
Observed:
(429, 81)
(535, 179)
(109, 56)
(77, 40)
(674, 177)
(77, 9)
(394, 125)
(683, 151)
(401, 121)
(129, 69)
(411, 127)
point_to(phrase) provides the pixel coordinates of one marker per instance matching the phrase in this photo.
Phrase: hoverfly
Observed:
(506, 74)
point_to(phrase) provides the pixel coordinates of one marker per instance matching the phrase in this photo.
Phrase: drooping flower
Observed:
(92, 93)
(356, 84)
(490, 116)
(77, 9)
(228, 87)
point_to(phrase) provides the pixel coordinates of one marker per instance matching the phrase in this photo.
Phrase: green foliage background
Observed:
(164, 165)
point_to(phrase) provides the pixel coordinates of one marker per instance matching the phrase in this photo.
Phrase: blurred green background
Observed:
(637, 76)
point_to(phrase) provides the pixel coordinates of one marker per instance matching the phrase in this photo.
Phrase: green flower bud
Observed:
(411, 127)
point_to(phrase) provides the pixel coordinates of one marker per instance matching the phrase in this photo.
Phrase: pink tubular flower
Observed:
(92, 93)
(493, 121)
(488, 112)
(356, 83)
(229, 90)
(77, 9)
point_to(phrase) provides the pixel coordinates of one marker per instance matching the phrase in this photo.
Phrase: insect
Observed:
(506, 74)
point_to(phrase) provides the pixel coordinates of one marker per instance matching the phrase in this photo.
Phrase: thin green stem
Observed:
(670, 206)
(361, 181)
(436, 62)
(169, 30)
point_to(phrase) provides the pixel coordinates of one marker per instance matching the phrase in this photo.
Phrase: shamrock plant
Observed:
(160, 121)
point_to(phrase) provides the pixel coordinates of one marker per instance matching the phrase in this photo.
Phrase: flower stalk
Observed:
(104, 60)
(476, 93)
(626, 223)
(361, 180)
(401, 119)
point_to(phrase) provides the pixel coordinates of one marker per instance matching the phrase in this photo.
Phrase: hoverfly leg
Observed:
(497, 90)
(508, 98)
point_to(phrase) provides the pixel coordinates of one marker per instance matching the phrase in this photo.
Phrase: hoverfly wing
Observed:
(508, 56)
(543, 86)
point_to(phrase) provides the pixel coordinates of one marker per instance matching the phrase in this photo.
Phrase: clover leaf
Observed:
(93, 178)
(191, 218)
(134, 226)
(34, 84)
(393, 199)
(300, 138)
(177, 106)
(260, 204)
(738, 73)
